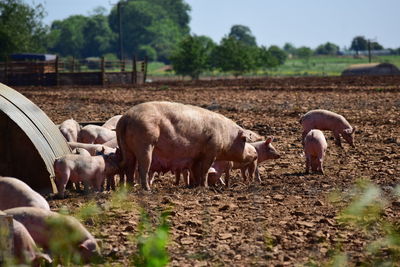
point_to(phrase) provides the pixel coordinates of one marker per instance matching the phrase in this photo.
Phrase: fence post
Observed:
(144, 69)
(134, 70)
(56, 68)
(103, 70)
(6, 238)
(73, 64)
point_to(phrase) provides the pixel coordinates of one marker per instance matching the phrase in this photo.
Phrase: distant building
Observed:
(371, 69)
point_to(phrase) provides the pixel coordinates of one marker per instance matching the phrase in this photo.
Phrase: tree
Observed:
(359, 43)
(304, 52)
(327, 49)
(278, 54)
(192, 56)
(154, 23)
(21, 28)
(66, 36)
(376, 46)
(242, 34)
(289, 48)
(234, 56)
(265, 60)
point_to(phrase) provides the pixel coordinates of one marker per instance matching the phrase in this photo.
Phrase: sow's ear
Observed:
(243, 136)
(269, 140)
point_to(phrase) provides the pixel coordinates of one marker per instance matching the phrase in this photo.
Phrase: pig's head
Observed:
(348, 135)
(112, 163)
(266, 150)
(89, 251)
(61, 183)
(239, 150)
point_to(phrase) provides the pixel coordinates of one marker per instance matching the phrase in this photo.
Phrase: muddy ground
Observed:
(288, 219)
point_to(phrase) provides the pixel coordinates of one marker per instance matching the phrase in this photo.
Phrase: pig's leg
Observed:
(307, 164)
(151, 176)
(130, 167)
(337, 139)
(252, 169)
(257, 174)
(186, 177)
(144, 162)
(205, 166)
(227, 178)
(320, 164)
(177, 177)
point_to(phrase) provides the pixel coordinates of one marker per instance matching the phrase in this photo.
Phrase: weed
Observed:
(152, 244)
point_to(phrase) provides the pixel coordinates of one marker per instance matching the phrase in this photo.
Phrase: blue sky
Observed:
(309, 22)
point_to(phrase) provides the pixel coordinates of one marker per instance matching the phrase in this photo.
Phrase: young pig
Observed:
(175, 132)
(94, 149)
(265, 150)
(112, 122)
(24, 249)
(314, 149)
(91, 170)
(50, 229)
(94, 134)
(15, 193)
(327, 120)
(70, 130)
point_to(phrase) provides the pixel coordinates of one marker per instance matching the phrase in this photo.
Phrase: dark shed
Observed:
(29, 141)
(371, 69)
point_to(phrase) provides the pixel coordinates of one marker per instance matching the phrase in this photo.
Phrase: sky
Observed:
(302, 23)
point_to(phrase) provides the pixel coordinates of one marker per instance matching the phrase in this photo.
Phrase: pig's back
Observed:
(323, 120)
(15, 193)
(314, 142)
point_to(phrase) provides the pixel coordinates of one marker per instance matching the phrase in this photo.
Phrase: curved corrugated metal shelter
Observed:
(371, 69)
(29, 141)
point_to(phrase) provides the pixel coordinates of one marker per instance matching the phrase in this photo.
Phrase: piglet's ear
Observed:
(269, 140)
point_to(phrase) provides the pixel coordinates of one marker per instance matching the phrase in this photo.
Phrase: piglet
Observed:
(314, 149)
(25, 250)
(327, 120)
(94, 134)
(70, 130)
(91, 170)
(51, 230)
(15, 193)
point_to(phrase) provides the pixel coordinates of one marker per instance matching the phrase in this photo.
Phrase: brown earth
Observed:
(288, 218)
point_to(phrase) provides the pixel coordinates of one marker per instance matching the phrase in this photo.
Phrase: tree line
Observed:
(156, 29)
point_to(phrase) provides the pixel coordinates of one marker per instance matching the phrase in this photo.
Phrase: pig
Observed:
(91, 170)
(175, 133)
(314, 149)
(112, 122)
(265, 150)
(94, 134)
(15, 193)
(49, 228)
(25, 250)
(93, 149)
(327, 120)
(70, 130)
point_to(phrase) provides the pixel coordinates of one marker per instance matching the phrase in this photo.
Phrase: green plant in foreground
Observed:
(366, 213)
(152, 244)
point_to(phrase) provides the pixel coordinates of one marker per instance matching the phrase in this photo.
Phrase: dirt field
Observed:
(288, 218)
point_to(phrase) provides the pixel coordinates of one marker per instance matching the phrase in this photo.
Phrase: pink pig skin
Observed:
(314, 149)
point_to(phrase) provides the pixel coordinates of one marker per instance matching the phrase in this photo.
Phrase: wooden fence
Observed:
(73, 72)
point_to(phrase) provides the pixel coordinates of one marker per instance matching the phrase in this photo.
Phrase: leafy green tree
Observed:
(155, 23)
(234, 56)
(243, 34)
(192, 56)
(304, 52)
(327, 49)
(289, 48)
(359, 43)
(278, 54)
(21, 28)
(376, 46)
(66, 36)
